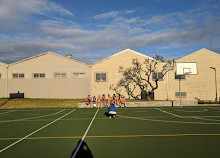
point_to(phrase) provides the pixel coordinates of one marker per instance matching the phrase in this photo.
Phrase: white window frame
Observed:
(79, 75)
(157, 76)
(101, 80)
(183, 94)
(60, 75)
(39, 75)
(20, 75)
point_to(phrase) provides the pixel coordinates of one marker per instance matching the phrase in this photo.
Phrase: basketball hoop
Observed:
(188, 74)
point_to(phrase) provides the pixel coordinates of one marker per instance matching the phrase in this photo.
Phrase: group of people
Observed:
(103, 101)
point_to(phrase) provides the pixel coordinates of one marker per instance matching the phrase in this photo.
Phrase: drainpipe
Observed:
(7, 82)
(167, 86)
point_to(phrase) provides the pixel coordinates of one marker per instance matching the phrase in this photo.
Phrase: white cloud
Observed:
(118, 31)
(66, 32)
(15, 14)
(111, 14)
(191, 35)
(14, 51)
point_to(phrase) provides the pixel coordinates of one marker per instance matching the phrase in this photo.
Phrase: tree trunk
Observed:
(148, 96)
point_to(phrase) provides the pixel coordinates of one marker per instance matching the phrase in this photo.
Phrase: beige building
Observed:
(50, 75)
(201, 86)
(106, 72)
(3, 79)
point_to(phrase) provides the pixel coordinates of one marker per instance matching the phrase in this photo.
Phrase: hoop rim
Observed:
(188, 73)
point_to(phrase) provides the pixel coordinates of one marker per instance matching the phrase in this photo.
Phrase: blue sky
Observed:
(91, 30)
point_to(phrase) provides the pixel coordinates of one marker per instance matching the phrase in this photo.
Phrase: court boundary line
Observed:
(35, 131)
(28, 118)
(120, 136)
(34, 109)
(79, 145)
(195, 117)
(167, 121)
(169, 113)
(7, 112)
(203, 110)
(216, 108)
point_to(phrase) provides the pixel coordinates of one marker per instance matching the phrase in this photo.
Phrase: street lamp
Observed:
(215, 82)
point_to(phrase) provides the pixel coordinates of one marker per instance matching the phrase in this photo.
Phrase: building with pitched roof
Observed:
(201, 85)
(50, 75)
(3, 79)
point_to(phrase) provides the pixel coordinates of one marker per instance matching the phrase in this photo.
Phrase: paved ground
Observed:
(136, 132)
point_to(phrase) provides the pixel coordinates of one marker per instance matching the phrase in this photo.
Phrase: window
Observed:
(100, 77)
(157, 75)
(0, 75)
(59, 75)
(78, 75)
(183, 77)
(18, 75)
(177, 94)
(39, 75)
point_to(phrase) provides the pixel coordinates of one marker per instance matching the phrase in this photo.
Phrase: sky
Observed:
(91, 30)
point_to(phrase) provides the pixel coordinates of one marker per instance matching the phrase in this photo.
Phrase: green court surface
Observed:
(165, 132)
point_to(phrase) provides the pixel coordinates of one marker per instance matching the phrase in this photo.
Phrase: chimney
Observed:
(69, 56)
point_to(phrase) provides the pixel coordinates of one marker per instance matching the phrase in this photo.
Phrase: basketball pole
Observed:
(180, 92)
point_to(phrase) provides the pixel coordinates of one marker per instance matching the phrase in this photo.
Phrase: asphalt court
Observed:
(134, 132)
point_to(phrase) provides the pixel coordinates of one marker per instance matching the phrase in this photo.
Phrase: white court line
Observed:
(195, 117)
(78, 147)
(31, 109)
(198, 116)
(35, 131)
(8, 112)
(203, 110)
(205, 123)
(31, 117)
(169, 113)
(214, 108)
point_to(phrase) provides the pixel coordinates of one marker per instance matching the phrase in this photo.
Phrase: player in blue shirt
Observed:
(112, 111)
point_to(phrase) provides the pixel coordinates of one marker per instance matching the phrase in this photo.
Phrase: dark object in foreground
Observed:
(16, 95)
(110, 115)
(83, 152)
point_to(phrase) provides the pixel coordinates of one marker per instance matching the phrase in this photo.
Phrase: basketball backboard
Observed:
(186, 68)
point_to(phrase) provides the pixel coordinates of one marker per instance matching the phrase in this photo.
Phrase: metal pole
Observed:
(216, 97)
(216, 93)
(180, 92)
(167, 87)
(7, 96)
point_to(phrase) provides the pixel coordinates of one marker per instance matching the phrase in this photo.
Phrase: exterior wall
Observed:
(161, 93)
(111, 66)
(202, 85)
(50, 87)
(3, 80)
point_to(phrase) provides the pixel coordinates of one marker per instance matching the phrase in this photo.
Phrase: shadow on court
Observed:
(83, 152)
(106, 114)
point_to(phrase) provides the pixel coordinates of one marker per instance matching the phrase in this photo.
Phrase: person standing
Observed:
(98, 101)
(89, 100)
(103, 100)
(94, 101)
(109, 100)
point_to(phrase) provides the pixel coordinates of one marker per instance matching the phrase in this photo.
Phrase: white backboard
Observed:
(183, 68)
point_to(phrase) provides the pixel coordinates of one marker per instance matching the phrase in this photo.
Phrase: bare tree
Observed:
(138, 76)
